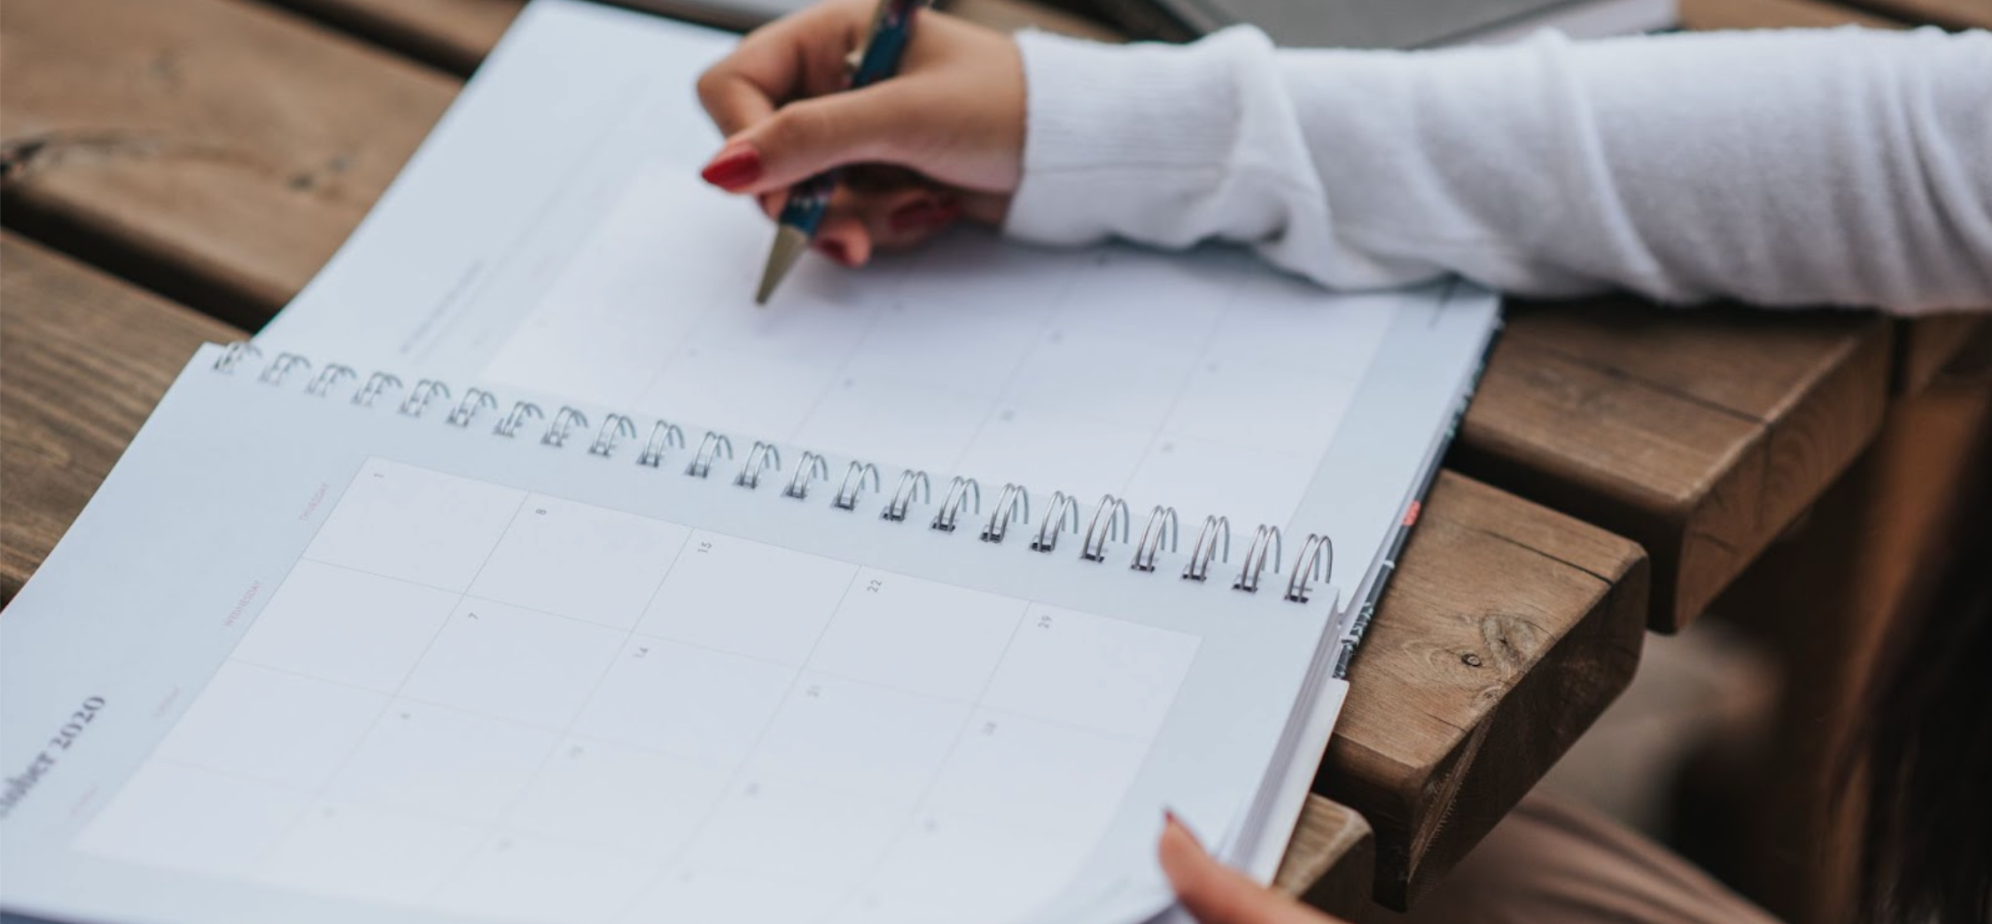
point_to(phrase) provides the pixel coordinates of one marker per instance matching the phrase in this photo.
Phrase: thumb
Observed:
(871, 125)
(1216, 894)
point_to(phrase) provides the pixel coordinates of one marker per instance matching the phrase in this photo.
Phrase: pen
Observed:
(1352, 635)
(891, 29)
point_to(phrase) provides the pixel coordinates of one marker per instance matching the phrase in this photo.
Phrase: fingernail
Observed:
(1169, 816)
(835, 251)
(735, 166)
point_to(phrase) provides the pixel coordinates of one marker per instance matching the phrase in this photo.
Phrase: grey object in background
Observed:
(1383, 23)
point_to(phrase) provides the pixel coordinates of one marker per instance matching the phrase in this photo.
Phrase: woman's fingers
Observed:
(874, 125)
(795, 56)
(1217, 894)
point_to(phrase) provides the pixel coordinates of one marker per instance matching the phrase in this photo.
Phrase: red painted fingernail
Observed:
(735, 166)
(1169, 815)
(835, 251)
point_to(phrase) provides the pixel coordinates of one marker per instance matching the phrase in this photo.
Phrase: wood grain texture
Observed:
(1950, 14)
(1705, 15)
(1506, 631)
(453, 35)
(82, 361)
(1701, 434)
(215, 150)
(1331, 861)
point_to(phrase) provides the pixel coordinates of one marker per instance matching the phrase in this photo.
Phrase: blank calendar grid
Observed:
(476, 699)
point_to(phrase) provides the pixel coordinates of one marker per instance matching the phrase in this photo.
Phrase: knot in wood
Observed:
(1470, 659)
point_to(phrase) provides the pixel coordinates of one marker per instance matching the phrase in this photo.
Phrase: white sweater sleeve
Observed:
(1820, 167)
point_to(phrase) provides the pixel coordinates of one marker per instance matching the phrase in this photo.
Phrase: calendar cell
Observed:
(818, 837)
(1097, 673)
(513, 663)
(580, 561)
(959, 634)
(272, 726)
(415, 524)
(694, 703)
(346, 626)
(1036, 775)
(694, 894)
(519, 877)
(186, 818)
(442, 762)
(358, 852)
(858, 737)
(748, 598)
(596, 792)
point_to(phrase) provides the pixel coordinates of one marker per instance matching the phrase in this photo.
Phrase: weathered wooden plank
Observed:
(1507, 630)
(1331, 861)
(1950, 14)
(82, 361)
(450, 34)
(1701, 434)
(1703, 15)
(218, 151)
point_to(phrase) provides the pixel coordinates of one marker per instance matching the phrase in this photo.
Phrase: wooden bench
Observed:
(217, 151)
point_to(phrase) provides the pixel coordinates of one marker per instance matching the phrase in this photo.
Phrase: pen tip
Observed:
(790, 242)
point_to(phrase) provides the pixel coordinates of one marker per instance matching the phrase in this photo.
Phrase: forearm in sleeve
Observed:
(1823, 167)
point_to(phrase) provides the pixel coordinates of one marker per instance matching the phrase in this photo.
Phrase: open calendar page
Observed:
(552, 237)
(551, 240)
(306, 660)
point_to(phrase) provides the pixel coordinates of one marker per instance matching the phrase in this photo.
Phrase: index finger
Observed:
(795, 56)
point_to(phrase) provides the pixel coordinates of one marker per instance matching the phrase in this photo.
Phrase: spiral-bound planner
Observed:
(522, 571)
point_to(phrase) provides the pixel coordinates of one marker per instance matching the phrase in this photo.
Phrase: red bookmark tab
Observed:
(1411, 514)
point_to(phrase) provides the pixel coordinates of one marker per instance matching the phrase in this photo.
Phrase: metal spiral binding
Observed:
(321, 384)
(474, 400)
(846, 497)
(522, 412)
(1265, 539)
(614, 427)
(1110, 521)
(958, 493)
(1063, 508)
(811, 468)
(419, 397)
(564, 422)
(377, 385)
(273, 374)
(662, 436)
(1304, 564)
(760, 458)
(1114, 510)
(1007, 508)
(1145, 550)
(233, 355)
(909, 482)
(1215, 530)
(709, 448)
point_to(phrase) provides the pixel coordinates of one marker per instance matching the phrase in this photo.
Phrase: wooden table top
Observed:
(217, 151)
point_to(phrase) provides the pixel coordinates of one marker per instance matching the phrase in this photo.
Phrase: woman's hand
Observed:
(1217, 894)
(941, 140)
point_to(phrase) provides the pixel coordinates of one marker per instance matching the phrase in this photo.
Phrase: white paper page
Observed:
(379, 665)
(607, 273)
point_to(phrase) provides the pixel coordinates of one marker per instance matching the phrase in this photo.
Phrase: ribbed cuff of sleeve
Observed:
(1124, 139)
